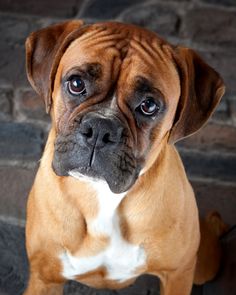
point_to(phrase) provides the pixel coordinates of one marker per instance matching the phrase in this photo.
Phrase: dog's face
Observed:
(111, 102)
(117, 93)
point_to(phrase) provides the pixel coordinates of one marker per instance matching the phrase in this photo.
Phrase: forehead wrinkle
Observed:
(147, 51)
(107, 37)
(114, 45)
(97, 32)
(79, 55)
(111, 36)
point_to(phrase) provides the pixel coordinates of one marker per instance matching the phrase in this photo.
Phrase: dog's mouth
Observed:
(117, 167)
(90, 177)
(118, 182)
(86, 174)
(98, 149)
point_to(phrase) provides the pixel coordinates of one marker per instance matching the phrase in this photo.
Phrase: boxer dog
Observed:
(111, 199)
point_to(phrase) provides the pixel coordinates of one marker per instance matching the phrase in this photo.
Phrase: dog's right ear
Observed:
(42, 52)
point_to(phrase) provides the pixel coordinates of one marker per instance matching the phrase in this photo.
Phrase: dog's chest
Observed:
(119, 258)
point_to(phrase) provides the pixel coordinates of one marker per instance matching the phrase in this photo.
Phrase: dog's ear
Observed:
(201, 90)
(42, 52)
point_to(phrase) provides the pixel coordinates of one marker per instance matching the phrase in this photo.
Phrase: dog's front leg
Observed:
(44, 278)
(178, 282)
(37, 286)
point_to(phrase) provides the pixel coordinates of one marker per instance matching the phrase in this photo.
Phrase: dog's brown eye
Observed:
(149, 107)
(76, 86)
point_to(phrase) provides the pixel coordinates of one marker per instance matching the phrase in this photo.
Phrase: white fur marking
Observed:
(74, 173)
(113, 101)
(120, 258)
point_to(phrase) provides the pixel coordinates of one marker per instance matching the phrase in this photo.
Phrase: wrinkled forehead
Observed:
(124, 53)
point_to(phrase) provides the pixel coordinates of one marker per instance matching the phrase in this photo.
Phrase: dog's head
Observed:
(116, 93)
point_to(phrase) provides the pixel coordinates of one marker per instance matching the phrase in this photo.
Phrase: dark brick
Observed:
(15, 183)
(105, 9)
(209, 165)
(28, 105)
(232, 109)
(52, 8)
(211, 137)
(210, 25)
(5, 104)
(164, 1)
(222, 113)
(13, 32)
(225, 63)
(221, 2)
(20, 141)
(156, 17)
(216, 196)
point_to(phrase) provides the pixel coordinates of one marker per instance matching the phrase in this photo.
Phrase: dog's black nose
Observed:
(100, 131)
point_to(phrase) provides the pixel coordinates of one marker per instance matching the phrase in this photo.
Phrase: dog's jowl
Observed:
(111, 199)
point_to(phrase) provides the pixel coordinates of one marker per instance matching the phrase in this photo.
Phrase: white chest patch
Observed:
(121, 259)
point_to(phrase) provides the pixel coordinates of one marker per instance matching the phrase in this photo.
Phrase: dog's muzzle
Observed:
(97, 148)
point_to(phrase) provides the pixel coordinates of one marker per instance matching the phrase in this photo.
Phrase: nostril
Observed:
(106, 138)
(88, 132)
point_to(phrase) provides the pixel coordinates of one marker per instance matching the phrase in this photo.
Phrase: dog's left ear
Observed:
(201, 91)
(43, 50)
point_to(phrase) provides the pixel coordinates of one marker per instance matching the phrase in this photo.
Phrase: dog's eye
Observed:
(148, 107)
(76, 86)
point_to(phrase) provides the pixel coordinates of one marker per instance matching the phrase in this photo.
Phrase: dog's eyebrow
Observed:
(143, 85)
(93, 70)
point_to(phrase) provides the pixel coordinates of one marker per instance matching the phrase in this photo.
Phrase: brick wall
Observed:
(209, 26)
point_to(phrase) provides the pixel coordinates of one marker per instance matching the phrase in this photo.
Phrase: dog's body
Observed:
(111, 199)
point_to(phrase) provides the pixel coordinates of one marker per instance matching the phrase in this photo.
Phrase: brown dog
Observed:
(111, 199)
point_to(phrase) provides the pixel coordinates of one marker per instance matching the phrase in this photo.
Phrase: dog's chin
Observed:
(119, 180)
(93, 179)
(81, 177)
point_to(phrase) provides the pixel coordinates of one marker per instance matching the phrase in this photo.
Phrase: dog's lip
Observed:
(80, 176)
(95, 182)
